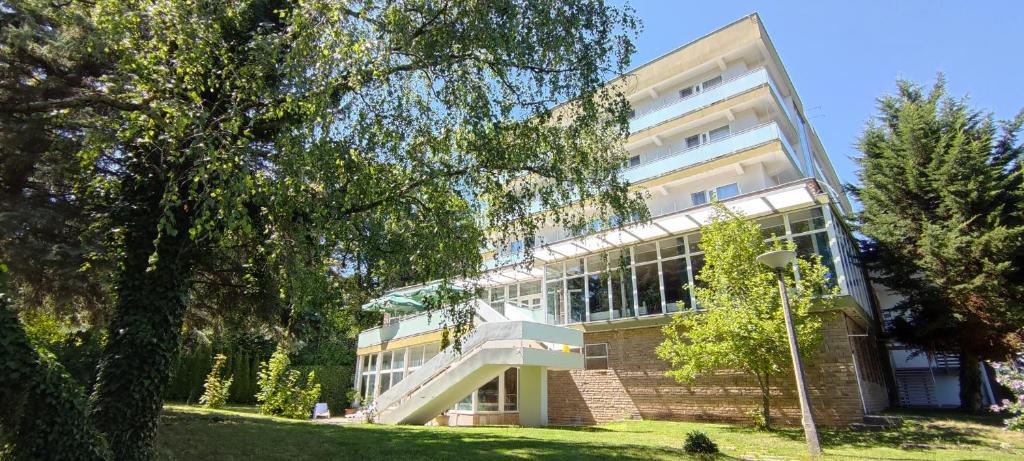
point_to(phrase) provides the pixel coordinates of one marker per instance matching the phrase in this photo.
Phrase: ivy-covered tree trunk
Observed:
(43, 412)
(144, 335)
(970, 382)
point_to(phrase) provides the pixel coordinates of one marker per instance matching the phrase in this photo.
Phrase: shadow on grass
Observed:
(193, 436)
(916, 433)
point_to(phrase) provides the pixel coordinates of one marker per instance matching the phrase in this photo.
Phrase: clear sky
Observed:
(842, 55)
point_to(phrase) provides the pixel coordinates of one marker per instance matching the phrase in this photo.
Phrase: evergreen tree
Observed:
(942, 210)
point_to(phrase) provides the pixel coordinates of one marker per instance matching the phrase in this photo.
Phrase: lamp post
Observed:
(778, 261)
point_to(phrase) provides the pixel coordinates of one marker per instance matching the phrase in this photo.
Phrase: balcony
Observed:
(684, 158)
(727, 89)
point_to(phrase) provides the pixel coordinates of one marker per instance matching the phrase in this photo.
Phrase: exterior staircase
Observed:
(494, 345)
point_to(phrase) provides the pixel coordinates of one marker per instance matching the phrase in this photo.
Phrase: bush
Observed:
(698, 443)
(335, 381)
(215, 393)
(1011, 376)
(757, 417)
(282, 390)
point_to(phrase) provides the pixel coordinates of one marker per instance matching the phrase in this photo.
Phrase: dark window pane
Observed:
(511, 389)
(576, 302)
(645, 252)
(648, 291)
(806, 220)
(597, 284)
(772, 226)
(622, 293)
(672, 247)
(556, 303)
(677, 292)
(823, 250)
(694, 241)
(487, 396)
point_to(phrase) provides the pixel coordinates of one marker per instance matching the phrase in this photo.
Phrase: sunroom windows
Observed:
(653, 278)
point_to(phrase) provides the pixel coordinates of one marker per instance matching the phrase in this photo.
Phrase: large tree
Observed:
(300, 143)
(941, 191)
(741, 326)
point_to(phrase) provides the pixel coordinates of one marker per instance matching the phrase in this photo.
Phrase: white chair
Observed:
(320, 409)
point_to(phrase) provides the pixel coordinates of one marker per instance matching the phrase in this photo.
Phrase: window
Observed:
(597, 297)
(699, 198)
(772, 226)
(692, 141)
(632, 114)
(511, 386)
(498, 299)
(677, 284)
(487, 396)
(686, 92)
(718, 133)
(556, 303)
(631, 162)
(727, 191)
(596, 356)
(711, 83)
(648, 289)
(577, 304)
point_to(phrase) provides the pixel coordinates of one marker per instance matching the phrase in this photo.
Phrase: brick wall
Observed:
(635, 386)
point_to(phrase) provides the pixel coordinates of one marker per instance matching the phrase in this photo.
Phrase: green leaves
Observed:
(941, 193)
(741, 325)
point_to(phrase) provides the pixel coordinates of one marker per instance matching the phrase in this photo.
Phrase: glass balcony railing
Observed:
(676, 108)
(684, 158)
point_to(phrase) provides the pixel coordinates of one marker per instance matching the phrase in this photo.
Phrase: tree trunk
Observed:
(144, 335)
(970, 383)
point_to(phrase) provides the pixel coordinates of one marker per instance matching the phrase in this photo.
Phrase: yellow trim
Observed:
(417, 340)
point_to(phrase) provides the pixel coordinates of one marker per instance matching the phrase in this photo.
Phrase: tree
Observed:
(942, 211)
(292, 147)
(216, 387)
(741, 325)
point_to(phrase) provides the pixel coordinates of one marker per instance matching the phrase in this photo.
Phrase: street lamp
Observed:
(778, 261)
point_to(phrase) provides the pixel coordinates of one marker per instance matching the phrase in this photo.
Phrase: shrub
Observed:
(1011, 376)
(334, 380)
(757, 417)
(282, 390)
(215, 389)
(698, 443)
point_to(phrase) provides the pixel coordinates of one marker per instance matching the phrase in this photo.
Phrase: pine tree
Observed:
(942, 209)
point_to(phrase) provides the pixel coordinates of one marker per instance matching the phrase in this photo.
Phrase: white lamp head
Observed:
(778, 259)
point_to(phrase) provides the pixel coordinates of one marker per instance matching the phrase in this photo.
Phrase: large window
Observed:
(380, 371)
(499, 394)
(654, 278)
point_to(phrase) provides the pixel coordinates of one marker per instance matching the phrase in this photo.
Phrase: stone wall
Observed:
(635, 386)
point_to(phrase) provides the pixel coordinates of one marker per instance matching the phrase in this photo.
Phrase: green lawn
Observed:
(190, 433)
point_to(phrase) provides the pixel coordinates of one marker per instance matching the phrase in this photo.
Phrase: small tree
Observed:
(282, 390)
(742, 326)
(216, 388)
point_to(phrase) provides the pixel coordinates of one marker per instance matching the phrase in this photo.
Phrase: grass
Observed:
(237, 433)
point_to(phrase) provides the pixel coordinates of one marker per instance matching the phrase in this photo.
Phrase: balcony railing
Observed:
(672, 109)
(687, 157)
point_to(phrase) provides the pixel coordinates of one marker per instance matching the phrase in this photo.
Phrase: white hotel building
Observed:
(558, 343)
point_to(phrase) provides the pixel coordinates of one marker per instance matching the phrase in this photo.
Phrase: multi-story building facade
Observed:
(570, 339)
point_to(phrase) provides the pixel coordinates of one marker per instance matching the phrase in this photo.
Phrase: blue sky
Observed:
(843, 55)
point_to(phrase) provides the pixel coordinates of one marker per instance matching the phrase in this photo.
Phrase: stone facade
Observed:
(635, 386)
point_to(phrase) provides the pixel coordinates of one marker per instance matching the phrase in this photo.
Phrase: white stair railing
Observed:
(516, 334)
